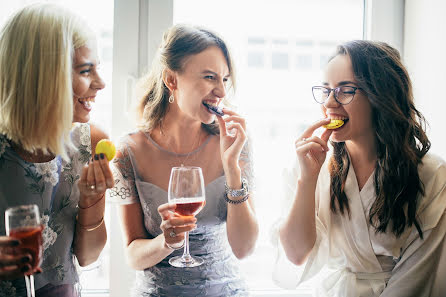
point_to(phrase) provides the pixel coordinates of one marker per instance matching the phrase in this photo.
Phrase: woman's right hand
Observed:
(14, 261)
(174, 226)
(312, 150)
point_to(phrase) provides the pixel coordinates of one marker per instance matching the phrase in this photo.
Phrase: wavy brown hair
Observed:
(400, 138)
(179, 42)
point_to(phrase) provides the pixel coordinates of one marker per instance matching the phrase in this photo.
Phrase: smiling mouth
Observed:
(214, 109)
(86, 102)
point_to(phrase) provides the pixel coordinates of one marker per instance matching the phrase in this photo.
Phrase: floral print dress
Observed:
(53, 187)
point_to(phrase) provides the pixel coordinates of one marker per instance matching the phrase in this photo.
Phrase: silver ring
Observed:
(172, 233)
(92, 187)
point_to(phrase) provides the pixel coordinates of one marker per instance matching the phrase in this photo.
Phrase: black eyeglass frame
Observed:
(335, 93)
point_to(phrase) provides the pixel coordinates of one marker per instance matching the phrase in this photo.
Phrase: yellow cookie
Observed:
(334, 124)
(106, 147)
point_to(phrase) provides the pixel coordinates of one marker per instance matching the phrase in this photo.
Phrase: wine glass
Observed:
(23, 222)
(186, 191)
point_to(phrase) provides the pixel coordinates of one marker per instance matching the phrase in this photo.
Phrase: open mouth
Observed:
(336, 123)
(87, 102)
(212, 108)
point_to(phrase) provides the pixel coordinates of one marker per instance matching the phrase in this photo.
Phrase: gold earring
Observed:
(171, 99)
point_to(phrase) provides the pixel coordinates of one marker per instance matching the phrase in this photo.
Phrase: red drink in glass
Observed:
(186, 207)
(31, 239)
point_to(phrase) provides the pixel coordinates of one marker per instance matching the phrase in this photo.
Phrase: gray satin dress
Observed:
(219, 275)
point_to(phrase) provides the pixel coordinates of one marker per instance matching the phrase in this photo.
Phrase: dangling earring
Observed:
(171, 98)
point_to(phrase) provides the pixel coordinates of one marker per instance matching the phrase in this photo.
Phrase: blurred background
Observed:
(279, 48)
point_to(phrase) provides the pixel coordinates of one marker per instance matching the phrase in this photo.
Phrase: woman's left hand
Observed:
(231, 145)
(96, 177)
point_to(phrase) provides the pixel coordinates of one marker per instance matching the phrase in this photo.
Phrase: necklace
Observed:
(190, 151)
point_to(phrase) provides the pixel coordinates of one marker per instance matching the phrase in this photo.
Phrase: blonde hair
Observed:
(36, 53)
(179, 42)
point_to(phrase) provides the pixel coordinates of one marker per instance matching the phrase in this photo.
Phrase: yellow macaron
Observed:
(334, 124)
(106, 147)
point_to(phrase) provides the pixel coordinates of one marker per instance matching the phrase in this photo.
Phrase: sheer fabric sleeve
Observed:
(246, 164)
(286, 274)
(124, 191)
(414, 274)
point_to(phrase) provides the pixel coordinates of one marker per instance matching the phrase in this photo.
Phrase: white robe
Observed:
(356, 260)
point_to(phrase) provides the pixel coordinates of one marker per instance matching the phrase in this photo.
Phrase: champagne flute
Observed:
(186, 191)
(23, 222)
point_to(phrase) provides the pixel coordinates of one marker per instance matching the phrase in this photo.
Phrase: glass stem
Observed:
(186, 256)
(29, 281)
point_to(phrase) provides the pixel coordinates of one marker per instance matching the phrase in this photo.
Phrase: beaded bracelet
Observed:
(236, 201)
(88, 228)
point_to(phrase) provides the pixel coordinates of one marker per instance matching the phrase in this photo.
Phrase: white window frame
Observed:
(384, 21)
(137, 31)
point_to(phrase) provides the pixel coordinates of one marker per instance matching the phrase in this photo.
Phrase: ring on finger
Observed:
(304, 139)
(92, 187)
(172, 233)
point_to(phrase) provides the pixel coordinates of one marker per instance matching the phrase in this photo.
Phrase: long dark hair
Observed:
(400, 137)
(179, 42)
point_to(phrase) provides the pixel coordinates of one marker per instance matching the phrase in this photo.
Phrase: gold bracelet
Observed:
(88, 228)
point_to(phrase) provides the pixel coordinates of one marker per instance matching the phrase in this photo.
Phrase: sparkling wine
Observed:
(189, 206)
(31, 239)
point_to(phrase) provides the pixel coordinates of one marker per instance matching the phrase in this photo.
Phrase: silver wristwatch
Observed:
(237, 193)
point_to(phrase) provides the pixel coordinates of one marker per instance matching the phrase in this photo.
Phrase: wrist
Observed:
(233, 177)
(174, 246)
(234, 182)
(307, 182)
(86, 202)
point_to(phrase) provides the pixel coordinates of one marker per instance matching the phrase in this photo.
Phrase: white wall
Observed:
(425, 57)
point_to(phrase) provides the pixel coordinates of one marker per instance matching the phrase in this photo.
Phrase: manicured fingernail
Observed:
(25, 259)
(101, 155)
(96, 157)
(25, 268)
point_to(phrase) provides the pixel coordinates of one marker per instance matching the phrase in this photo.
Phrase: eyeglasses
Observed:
(343, 95)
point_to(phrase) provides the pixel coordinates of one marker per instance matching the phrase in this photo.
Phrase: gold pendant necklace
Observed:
(189, 153)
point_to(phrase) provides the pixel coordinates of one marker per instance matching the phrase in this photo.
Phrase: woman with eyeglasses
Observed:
(371, 214)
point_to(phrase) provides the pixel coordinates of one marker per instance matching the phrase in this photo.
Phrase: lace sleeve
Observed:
(246, 164)
(124, 191)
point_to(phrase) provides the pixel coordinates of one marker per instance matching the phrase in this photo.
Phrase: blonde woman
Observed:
(48, 79)
(193, 70)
